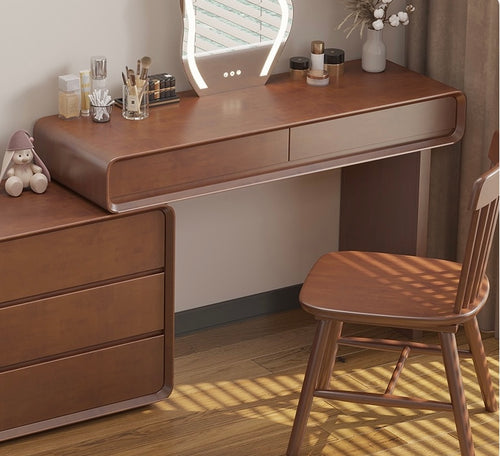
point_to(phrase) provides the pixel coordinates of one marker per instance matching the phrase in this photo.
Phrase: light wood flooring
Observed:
(236, 391)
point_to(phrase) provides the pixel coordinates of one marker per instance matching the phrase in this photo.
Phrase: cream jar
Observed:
(318, 78)
(299, 67)
(334, 64)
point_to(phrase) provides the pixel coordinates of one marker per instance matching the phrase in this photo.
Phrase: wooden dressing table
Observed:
(387, 122)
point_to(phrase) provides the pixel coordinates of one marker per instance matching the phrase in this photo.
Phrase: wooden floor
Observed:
(236, 391)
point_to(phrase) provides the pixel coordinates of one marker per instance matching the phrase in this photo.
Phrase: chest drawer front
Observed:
(75, 321)
(82, 255)
(83, 382)
(374, 130)
(175, 170)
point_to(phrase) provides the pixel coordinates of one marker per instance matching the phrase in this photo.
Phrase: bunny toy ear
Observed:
(38, 161)
(6, 162)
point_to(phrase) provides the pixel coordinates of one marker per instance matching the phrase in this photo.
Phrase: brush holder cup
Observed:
(135, 101)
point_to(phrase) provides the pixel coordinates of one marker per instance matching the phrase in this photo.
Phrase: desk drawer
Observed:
(81, 255)
(74, 321)
(174, 170)
(374, 130)
(81, 382)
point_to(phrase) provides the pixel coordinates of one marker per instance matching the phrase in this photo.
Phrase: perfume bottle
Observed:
(98, 72)
(69, 96)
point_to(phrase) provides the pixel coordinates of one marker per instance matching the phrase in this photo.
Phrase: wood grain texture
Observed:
(76, 321)
(83, 155)
(86, 310)
(81, 382)
(81, 255)
(237, 388)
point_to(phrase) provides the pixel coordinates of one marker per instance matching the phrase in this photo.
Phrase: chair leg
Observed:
(330, 354)
(481, 365)
(310, 380)
(456, 387)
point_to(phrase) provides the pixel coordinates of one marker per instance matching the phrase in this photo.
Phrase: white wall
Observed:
(228, 245)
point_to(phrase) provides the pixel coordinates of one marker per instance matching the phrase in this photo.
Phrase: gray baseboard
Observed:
(237, 309)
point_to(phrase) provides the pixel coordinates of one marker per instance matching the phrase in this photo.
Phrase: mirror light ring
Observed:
(193, 67)
(285, 17)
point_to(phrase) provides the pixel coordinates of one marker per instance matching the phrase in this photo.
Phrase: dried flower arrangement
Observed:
(374, 14)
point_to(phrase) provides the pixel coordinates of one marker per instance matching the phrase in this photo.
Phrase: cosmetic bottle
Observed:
(334, 64)
(69, 96)
(85, 92)
(317, 76)
(299, 67)
(98, 72)
(317, 55)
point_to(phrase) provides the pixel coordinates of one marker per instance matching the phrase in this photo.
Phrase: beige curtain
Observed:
(456, 42)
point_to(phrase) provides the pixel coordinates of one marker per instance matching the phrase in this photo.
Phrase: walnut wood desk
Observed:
(386, 122)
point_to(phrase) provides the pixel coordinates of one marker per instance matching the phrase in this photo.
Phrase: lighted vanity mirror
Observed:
(232, 44)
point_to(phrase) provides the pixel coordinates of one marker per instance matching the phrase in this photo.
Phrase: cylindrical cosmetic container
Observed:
(98, 72)
(299, 67)
(334, 63)
(85, 92)
(317, 76)
(317, 55)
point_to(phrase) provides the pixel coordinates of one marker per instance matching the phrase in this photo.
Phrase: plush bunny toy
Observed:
(22, 167)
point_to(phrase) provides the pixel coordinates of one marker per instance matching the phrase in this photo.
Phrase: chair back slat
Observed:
(484, 204)
(487, 226)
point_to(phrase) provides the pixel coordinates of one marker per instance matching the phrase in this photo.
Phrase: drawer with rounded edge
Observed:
(56, 389)
(75, 321)
(80, 255)
(180, 169)
(384, 128)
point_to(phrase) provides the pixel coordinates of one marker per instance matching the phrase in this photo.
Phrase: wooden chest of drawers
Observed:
(86, 310)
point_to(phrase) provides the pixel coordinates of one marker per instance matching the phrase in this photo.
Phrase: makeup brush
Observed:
(145, 64)
(131, 76)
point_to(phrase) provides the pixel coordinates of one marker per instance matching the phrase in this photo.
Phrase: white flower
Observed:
(386, 1)
(403, 17)
(378, 24)
(379, 13)
(394, 20)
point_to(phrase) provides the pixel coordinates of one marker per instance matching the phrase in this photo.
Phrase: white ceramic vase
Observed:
(373, 52)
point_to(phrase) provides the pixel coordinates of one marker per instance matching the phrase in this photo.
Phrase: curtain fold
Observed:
(456, 42)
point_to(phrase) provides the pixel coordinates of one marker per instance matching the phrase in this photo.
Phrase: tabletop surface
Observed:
(281, 103)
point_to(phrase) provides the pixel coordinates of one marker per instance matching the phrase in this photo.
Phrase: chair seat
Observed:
(386, 289)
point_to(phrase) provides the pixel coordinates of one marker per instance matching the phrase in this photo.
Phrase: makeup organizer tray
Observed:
(161, 90)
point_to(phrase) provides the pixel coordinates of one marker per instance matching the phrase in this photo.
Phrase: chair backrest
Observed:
(484, 204)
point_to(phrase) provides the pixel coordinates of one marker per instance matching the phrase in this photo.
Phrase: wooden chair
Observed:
(401, 291)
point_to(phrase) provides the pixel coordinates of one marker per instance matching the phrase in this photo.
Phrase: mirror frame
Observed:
(231, 68)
